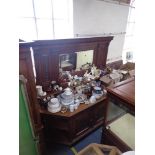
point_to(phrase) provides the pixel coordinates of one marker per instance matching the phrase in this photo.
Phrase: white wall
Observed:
(94, 17)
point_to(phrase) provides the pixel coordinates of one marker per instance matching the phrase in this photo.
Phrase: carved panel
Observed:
(46, 55)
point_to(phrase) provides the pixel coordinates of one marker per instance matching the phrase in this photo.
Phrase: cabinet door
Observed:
(82, 122)
(99, 112)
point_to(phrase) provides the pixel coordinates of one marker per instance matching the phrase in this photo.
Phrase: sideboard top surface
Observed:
(68, 114)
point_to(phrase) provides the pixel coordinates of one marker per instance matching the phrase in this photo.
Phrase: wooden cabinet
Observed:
(69, 127)
(65, 128)
(26, 69)
(122, 94)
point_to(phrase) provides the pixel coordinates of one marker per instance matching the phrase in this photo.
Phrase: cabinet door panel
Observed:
(99, 112)
(82, 122)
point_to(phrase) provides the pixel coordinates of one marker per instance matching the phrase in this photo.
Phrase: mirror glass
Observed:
(76, 61)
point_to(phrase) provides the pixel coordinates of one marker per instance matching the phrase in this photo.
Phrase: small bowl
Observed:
(97, 90)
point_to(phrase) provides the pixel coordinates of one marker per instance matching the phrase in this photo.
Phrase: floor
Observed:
(57, 149)
(94, 137)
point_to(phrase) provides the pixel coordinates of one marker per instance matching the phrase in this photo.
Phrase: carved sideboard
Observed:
(65, 128)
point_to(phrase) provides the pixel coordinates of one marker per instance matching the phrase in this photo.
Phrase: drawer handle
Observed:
(79, 133)
(101, 118)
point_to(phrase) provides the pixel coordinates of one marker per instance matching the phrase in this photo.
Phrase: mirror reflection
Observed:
(76, 61)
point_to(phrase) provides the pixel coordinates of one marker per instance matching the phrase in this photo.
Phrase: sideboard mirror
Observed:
(76, 60)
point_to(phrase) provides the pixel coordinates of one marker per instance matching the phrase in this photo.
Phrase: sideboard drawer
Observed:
(55, 122)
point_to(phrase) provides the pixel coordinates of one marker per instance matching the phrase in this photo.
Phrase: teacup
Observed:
(71, 108)
(39, 90)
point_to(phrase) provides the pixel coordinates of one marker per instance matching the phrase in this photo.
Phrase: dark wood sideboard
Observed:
(123, 95)
(67, 128)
